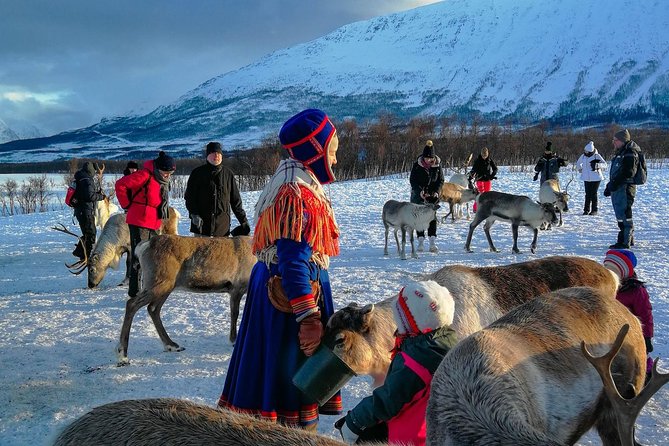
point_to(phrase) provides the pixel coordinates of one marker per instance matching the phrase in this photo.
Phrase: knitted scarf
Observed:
(293, 205)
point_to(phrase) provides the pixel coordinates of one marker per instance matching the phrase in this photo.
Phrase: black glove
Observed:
(607, 191)
(593, 164)
(536, 176)
(197, 221)
(242, 229)
(649, 345)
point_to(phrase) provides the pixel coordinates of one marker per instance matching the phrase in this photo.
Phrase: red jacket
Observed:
(634, 296)
(139, 193)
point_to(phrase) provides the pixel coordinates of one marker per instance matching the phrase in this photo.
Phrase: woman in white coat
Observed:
(591, 164)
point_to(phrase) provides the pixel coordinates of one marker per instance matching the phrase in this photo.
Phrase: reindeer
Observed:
(454, 194)
(519, 210)
(364, 336)
(195, 263)
(407, 217)
(114, 241)
(169, 421)
(523, 380)
(104, 209)
(462, 179)
(550, 192)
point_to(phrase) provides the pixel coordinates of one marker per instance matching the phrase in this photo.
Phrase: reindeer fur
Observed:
(524, 381)
(200, 264)
(364, 336)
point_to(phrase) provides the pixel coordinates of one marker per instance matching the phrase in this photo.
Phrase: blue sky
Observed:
(67, 64)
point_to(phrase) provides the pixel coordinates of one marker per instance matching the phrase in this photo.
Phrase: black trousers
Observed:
(431, 230)
(86, 219)
(137, 235)
(591, 188)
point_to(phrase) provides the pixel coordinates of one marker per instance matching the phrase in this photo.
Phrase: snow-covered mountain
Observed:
(572, 62)
(6, 133)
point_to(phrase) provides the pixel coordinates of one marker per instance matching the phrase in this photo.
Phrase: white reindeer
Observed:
(200, 264)
(407, 217)
(463, 181)
(550, 192)
(517, 209)
(364, 336)
(524, 380)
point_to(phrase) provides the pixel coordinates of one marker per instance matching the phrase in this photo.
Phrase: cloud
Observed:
(71, 62)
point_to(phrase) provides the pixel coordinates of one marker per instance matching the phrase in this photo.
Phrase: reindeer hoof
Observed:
(533, 250)
(469, 250)
(174, 348)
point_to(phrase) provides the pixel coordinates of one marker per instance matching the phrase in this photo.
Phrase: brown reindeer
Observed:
(364, 336)
(200, 264)
(165, 421)
(523, 380)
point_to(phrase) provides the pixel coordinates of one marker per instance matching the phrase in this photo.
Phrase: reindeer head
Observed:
(550, 215)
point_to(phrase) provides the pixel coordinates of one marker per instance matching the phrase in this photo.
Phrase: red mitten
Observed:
(311, 332)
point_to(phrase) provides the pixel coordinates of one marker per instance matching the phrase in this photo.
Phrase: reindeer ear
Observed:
(352, 305)
(366, 314)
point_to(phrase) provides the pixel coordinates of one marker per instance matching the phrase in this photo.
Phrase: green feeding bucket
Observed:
(322, 375)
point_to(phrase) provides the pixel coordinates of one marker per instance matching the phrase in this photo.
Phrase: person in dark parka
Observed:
(426, 179)
(88, 191)
(210, 194)
(548, 165)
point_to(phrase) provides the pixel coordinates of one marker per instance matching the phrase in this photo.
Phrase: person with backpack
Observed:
(211, 193)
(145, 196)
(87, 193)
(590, 165)
(628, 168)
(548, 165)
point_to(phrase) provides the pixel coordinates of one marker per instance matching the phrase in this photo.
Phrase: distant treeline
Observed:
(388, 146)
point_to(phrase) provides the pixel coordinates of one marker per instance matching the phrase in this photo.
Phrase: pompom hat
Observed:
(428, 150)
(589, 147)
(620, 261)
(549, 147)
(422, 307)
(306, 136)
(165, 162)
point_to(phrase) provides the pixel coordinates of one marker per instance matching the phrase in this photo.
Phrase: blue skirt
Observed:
(267, 355)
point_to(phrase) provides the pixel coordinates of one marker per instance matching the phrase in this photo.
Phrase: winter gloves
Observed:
(607, 190)
(536, 176)
(242, 229)
(197, 221)
(594, 164)
(310, 334)
(346, 434)
(649, 344)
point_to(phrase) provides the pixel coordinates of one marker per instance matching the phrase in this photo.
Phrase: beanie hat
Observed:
(422, 307)
(306, 136)
(214, 147)
(623, 135)
(132, 165)
(165, 162)
(589, 147)
(548, 147)
(428, 150)
(620, 261)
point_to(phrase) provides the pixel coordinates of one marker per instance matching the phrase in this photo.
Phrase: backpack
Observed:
(70, 200)
(641, 174)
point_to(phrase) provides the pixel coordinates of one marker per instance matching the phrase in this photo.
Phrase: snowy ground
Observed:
(58, 337)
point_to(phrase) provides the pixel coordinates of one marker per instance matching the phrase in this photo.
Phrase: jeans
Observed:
(622, 200)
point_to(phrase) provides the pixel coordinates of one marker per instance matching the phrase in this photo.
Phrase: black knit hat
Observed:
(548, 147)
(214, 147)
(165, 162)
(428, 150)
(132, 165)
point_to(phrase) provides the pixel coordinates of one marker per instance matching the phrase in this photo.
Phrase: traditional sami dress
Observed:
(294, 236)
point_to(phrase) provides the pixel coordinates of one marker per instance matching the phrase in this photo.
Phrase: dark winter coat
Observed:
(210, 193)
(428, 180)
(402, 383)
(88, 190)
(634, 296)
(548, 167)
(139, 194)
(483, 169)
(624, 165)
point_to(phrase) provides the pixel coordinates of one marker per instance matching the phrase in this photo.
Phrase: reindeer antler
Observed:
(79, 266)
(626, 410)
(568, 183)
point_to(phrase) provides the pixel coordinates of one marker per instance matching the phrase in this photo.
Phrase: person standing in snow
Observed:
(211, 192)
(395, 412)
(548, 165)
(426, 179)
(131, 167)
(295, 235)
(590, 165)
(145, 196)
(484, 170)
(87, 193)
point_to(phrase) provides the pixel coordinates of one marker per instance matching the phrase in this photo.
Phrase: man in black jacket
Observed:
(210, 194)
(88, 191)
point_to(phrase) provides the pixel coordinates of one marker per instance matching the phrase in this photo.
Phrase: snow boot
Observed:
(421, 240)
(433, 246)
